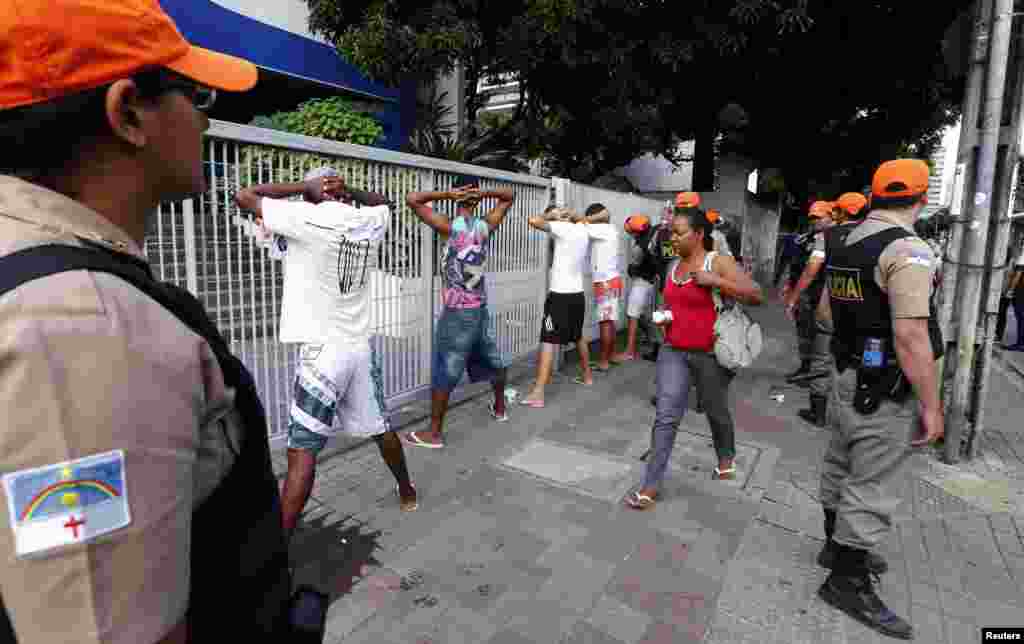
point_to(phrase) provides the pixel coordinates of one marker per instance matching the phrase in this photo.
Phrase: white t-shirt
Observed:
(569, 263)
(332, 251)
(604, 253)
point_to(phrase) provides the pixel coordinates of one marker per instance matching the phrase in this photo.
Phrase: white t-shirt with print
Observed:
(569, 263)
(604, 252)
(332, 251)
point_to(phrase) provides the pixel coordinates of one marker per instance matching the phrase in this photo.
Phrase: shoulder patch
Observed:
(67, 503)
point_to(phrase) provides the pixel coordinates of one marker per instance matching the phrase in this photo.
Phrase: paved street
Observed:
(521, 536)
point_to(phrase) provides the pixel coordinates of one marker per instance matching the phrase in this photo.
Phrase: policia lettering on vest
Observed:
(139, 505)
(884, 395)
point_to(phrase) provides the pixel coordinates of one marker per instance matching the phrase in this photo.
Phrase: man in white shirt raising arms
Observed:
(566, 305)
(604, 261)
(332, 249)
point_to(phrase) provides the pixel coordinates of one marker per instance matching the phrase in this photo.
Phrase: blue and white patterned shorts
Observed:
(338, 389)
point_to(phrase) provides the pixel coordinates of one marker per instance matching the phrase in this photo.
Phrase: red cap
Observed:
(54, 48)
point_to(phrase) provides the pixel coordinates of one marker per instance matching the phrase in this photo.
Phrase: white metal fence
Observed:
(206, 245)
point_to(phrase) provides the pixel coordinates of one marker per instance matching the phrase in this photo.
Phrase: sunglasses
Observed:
(201, 96)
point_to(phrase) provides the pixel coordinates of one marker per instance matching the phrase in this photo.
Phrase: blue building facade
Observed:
(293, 65)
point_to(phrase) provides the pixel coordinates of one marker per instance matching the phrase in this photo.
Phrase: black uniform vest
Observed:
(805, 243)
(647, 266)
(240, 582)
(860, 309)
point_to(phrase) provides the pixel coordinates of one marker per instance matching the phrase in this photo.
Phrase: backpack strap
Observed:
(37, 262)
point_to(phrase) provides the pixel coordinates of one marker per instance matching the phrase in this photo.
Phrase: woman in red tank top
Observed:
(688, 354)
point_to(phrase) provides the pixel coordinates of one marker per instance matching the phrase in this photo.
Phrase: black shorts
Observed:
(563, 318)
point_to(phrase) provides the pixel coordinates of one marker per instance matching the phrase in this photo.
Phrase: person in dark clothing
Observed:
(643, 273)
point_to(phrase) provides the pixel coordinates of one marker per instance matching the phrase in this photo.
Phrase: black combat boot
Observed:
(805, 368)
(816, 414)
(850, 588)
(827, 557)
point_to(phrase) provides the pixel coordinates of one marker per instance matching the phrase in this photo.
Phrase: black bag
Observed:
(243, 509)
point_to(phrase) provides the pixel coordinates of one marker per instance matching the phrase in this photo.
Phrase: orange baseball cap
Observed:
(55, 48)
(821, 209)
(687, 200)
(852, 203)
(713, 216)
(636, 224)
(900, 178)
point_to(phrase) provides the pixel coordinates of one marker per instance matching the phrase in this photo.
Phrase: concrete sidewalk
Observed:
(521, 535)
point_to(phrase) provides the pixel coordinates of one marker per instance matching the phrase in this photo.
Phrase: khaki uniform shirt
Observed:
(90, 368)
(905, 271)
(906, 267)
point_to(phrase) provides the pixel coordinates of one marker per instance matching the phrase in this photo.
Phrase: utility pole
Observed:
(1000, 224)
(978, 207)
(965, 170)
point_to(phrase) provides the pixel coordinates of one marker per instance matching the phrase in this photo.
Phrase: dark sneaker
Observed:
(856, 596)
(874, 561)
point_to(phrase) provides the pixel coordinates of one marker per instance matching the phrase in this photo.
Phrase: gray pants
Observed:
(804, 316)
(863, 470)
(822, 361)
(675, 371)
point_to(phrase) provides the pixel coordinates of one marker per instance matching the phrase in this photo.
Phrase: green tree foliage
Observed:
(828, 88)
(331, 118)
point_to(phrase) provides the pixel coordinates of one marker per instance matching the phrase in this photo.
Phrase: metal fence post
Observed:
(188, 220)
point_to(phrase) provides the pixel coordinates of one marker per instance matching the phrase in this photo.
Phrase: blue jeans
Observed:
(676, 369)
(463, 342)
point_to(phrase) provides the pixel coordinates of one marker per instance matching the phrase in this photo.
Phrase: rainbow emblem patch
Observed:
(67, 503)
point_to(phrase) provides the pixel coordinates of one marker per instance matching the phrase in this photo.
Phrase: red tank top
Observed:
(693, 315)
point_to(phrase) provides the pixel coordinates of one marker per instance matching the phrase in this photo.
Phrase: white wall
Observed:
(654, 173)
(290, 15)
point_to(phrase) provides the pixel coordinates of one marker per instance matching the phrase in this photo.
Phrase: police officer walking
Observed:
(803, 311)
(139, 504)
(885, 397)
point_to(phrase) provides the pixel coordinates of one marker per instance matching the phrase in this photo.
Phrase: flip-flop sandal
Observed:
(413, 439)
(639, 501)
(625, 358)
(536, 404)
(597, 367)
(579, 381)
(728, 474)
(406, 506)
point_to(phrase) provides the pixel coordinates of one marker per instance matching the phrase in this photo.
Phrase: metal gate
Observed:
(207, 245)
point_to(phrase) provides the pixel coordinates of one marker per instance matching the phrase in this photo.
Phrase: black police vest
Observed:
(805, 243)
(240, 582)
(860, 309)
(647, 266)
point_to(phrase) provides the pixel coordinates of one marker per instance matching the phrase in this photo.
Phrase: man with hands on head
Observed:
(463, 340)
(332, 249)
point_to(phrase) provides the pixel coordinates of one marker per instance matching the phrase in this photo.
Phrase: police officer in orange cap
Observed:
(643, 274)
(139, 503)
(798, 306)
(885, 395)
(721, 244)
(809, 288)
(853, 206)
